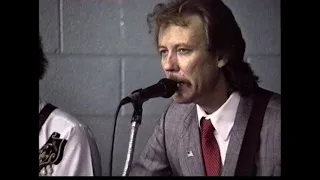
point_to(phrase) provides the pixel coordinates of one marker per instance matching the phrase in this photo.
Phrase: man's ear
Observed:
(222, 61)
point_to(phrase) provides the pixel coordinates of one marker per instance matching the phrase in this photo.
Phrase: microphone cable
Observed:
(122, 102)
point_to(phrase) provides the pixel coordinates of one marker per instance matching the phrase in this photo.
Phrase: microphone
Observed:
(164, 88)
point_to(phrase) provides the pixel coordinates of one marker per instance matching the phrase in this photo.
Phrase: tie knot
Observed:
(207, 128)
(206, 125)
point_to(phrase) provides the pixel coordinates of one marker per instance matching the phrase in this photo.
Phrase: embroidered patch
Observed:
(51, 153)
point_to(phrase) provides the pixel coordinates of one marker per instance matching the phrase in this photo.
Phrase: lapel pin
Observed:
(190, 154)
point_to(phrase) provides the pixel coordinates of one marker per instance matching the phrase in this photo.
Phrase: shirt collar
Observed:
(223, 118)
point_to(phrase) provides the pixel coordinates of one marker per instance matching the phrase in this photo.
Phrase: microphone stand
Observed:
(135, 122)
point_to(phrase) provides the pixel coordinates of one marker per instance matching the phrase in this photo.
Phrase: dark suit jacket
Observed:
(177, 132)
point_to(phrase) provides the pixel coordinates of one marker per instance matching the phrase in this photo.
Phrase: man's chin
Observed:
(179, 99)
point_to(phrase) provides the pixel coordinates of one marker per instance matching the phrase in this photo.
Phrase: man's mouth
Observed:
(180, 83)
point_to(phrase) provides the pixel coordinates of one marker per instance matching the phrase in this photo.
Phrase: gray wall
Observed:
(100, 51)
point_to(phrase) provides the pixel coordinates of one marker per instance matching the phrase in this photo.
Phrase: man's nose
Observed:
(170, 62)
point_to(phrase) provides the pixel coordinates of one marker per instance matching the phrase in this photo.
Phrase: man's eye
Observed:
(183, 51)
(162, 52)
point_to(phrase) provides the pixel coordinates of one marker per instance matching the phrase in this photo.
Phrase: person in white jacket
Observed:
(66, 146)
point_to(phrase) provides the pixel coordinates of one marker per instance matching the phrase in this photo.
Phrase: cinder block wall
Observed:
(99, 51)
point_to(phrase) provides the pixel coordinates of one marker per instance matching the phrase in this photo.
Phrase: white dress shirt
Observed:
(222, 120)
(81, 156)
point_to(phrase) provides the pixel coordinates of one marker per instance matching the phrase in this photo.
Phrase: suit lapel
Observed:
(189, 148)
(236, 136)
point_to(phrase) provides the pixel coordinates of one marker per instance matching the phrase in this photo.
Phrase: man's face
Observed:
(184, 57)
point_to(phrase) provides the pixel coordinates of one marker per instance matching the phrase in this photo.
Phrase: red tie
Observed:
(210, 149)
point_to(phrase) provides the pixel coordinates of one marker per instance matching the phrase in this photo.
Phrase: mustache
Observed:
(177, 79)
